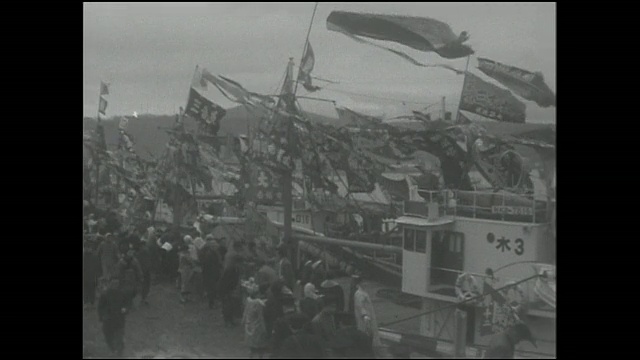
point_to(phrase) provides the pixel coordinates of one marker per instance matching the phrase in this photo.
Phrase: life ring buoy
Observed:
(466, 287)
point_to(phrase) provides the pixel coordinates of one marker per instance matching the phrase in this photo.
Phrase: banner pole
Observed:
(464, 83)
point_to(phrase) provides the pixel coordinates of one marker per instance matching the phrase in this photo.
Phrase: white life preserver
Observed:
(466, 287)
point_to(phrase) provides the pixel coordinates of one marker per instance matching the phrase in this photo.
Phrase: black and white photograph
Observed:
(319, 180)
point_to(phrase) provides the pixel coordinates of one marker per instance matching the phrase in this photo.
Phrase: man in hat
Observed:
(129, 273)
(112, 308)
(333, 292)
(503, 345)
(266, 275)
(108, 254)
(211, 269)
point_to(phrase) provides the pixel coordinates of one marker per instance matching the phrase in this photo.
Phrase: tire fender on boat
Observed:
(467, 287)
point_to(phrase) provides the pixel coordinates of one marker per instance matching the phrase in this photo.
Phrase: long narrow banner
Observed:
(488, 100)
(527, 84)
(419, 33)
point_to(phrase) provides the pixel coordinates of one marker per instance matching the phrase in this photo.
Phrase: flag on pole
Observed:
(419, 33)
(235, 92)
(304, 75)
(491, 101)
(104, 88)
(526, 84)
(204, 111)
(102, 107)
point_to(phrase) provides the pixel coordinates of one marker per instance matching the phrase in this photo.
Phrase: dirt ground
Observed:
(166, 328)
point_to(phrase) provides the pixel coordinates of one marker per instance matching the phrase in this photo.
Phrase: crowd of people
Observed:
(254, 284)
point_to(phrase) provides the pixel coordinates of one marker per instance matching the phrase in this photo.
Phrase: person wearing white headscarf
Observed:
(364, 313)
(255, 330)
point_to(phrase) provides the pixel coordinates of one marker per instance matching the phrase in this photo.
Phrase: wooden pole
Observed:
(462, 91)
(97, 150)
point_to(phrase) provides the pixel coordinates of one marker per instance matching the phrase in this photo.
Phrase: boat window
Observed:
(421, 241)
(437, 236)
(409, 235)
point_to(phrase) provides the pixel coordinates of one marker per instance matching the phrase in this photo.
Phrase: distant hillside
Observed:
(151, 139)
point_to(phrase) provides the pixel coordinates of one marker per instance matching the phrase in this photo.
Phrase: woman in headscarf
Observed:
(364, 313)
(253, 322)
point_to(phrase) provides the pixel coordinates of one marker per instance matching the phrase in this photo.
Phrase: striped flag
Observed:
(102, 107)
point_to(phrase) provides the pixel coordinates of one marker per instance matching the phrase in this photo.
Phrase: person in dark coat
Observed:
(332, 292)
(503, 344)
(91, 271)
(301, 344)
(274, 307)
(112, 309)
(324, 323)
(143, 255)
(108, 254)
(228, 290)
(211, 269)
(129, 274)
(280, 329)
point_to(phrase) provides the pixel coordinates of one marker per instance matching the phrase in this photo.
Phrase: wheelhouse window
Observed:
(409, 239)
(421, 241)
(447, 260)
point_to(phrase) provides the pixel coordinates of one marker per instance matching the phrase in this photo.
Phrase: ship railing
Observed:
(442, 281)
(480, 205)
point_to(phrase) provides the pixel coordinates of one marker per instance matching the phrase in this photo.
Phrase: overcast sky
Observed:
(148, 52)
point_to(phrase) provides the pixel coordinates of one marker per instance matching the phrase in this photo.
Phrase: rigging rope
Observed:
(461, 302)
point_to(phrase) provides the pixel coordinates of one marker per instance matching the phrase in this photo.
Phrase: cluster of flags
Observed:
(430, 35)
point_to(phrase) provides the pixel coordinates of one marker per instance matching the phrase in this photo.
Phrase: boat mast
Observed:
(287, 198)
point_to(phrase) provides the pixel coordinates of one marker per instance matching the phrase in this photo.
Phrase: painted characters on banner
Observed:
(499, 309)
(488, 100)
